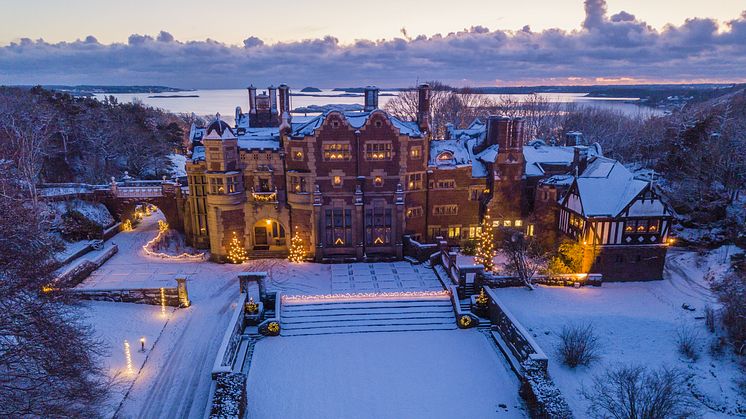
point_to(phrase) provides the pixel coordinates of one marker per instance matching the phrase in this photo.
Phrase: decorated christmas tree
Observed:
(486, 244)
(297, 248)
(236, 252)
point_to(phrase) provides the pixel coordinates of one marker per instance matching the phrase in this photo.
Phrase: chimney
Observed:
(371, 98)
(272, 91)
(284, 99)
(516, 133)
(252, 99)
(423, 107)
(580, 158)
(498, 131)
(574, 138)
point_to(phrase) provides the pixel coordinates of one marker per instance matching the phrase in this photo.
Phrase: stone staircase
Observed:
(268, 254)
(366, 316)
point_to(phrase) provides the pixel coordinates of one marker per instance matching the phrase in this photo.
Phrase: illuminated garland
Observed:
(128, 358)
(127, 225)
(300, 299)
(272, 197)
(185, 256)
(297, 249)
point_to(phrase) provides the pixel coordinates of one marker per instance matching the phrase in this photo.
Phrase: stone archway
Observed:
(269, 234)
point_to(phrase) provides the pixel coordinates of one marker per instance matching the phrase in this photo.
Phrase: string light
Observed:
(127, 225)
(163, 302)
(236, 252)
(486, 244)
(162, 226)
(128, 358)
(301, 299)
(297, 248)
(187, 256)
(259, 197)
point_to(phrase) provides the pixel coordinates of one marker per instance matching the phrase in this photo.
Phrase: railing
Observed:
(231, 340)
(138, 191)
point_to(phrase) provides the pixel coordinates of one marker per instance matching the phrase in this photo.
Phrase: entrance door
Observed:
(260, 236)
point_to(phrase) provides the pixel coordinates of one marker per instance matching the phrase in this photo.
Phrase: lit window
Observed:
(530, 230)
(415, 152)
(336, 151)
(629, 229)
(445, 156)
(414, 182)
(378, 151)
(337, 180)
(297, 154)
(454, 232)
(507, 223)
(446, 184)
(378, 181)
(297, 184)
(518, 223)
(414, 212)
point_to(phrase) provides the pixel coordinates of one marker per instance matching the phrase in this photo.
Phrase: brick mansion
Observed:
(356, 185)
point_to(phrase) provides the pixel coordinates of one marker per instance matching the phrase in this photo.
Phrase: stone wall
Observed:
(171, 296)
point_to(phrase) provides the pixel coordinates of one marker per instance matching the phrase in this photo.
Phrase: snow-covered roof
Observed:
(198, 153)
(606, 187)
(259, 139)
(219, 130)
(302, 128)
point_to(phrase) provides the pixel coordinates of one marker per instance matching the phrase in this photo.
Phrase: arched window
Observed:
(445, 156)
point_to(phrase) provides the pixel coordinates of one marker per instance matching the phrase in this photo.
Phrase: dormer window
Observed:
(445, 156)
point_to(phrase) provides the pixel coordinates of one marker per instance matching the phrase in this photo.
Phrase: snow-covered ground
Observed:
(636, 323)
(175, 379)
(434, 374)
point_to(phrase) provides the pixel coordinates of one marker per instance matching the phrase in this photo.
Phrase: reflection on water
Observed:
(225, 101)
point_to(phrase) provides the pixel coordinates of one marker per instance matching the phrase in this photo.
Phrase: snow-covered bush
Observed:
(637, 392)
(687, 340)
(578, 345)
(78, 219)
(543, 397)
(229, 400)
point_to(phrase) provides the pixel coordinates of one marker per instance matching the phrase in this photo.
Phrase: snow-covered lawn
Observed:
(434, 374)
(117, 323)
(636, 323)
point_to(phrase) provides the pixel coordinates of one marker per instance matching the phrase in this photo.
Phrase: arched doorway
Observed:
(269, 234)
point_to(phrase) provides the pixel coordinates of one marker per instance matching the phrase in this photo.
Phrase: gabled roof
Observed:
(356, 120)
(219, 130)
(606, 187)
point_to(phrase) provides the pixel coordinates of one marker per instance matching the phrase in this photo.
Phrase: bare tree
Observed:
(524, 256)
(578, 345)
(635, 392)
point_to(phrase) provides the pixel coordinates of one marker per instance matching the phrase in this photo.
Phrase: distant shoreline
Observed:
(170, 96)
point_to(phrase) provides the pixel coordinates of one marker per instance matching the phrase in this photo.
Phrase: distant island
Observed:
(342, 107)
(310, 90)
(91, 90)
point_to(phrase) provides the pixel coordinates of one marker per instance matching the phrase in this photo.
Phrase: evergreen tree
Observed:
(297, 248)
(486, 244)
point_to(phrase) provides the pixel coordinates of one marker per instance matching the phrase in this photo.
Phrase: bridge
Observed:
(121, 197)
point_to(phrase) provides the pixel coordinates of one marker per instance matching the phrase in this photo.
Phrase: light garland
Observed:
(162, 226)
(183, 256)
(127, 225)
(163, 302)
(304, 299)
(482, 299)
(128, 357)
(258, 197)
(297, 249)
(236, 252)
(486, 244)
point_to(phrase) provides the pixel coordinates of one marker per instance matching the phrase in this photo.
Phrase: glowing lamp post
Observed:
(142, 344)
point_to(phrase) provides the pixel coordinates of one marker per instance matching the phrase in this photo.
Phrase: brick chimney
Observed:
(284, 99)
(580, 158)
(574, 138)
(516, 133)
(272, 91)
(252, 99)
(423, 107)
(371, 98)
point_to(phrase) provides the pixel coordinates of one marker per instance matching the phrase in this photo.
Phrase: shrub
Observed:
(468, 247)
(578, 345)
(567, 259)
(687, 341)
(636, 392)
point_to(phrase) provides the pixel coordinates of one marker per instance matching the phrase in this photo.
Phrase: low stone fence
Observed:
(231, 340)
(527, 360)
(229, 399)
(167, 296)
(74, 275)
(418, 251)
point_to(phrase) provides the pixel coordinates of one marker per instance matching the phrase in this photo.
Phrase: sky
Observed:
(230, 43)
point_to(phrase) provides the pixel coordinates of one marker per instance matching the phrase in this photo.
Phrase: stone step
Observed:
(369, 319)
(332, 313)
(333, 330)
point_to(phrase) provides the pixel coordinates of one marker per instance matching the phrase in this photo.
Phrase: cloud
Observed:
(616, 47)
